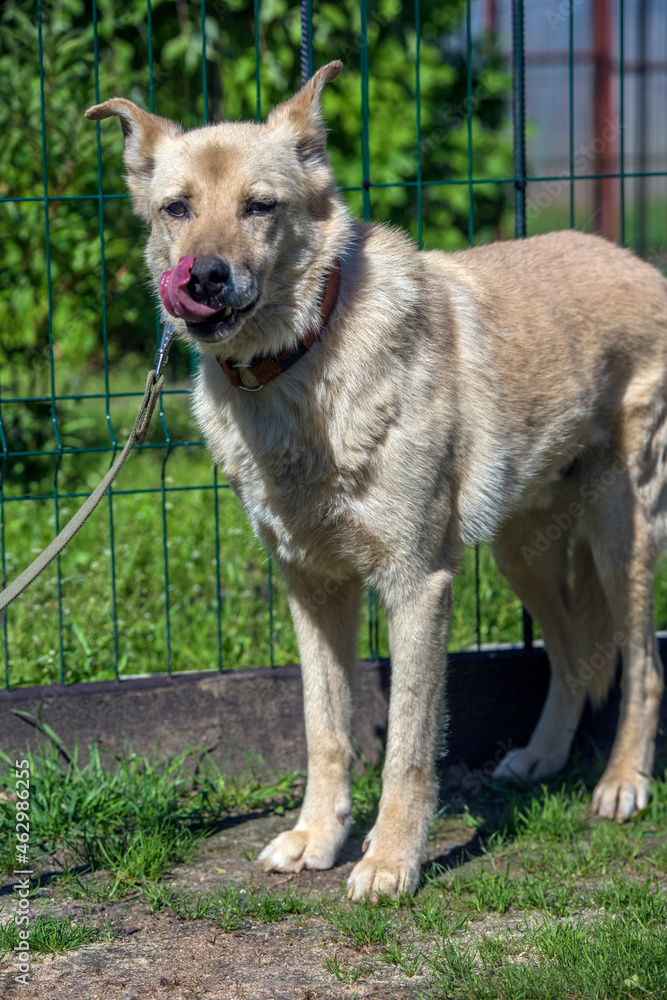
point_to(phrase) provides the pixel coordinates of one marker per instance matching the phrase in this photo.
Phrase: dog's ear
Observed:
(303, 113)
(143, 132)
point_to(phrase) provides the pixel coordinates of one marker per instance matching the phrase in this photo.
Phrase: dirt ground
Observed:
(158, 956)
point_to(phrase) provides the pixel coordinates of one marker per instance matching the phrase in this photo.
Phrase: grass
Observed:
(347, 973)
(230, 906)
(620, 952)
(49, 934)
(596, 892)
(365, 924)
(130, 818)
(554, 902)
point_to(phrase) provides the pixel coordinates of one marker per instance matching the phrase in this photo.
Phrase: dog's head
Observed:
(240, 213)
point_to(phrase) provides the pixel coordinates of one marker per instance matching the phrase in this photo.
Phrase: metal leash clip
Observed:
(162, 354)
(248, 388)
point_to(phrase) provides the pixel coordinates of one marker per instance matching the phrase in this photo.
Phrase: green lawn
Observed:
(551, 903)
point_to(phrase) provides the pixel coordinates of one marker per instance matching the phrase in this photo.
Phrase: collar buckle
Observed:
(242, 371)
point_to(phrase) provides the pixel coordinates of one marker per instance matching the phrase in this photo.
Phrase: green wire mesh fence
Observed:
(462, 122)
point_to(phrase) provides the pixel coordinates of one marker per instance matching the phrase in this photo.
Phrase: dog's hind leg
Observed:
(595, 655)
(624, 553)
(325, 613)
(540, 579)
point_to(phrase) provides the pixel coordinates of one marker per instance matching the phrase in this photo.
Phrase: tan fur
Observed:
(451, 397)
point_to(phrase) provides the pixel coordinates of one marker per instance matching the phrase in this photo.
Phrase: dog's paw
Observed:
(620, 795)
(295, 850)
(373, 877)
(527, 765)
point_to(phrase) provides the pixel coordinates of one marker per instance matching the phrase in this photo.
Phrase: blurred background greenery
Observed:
(174, 89)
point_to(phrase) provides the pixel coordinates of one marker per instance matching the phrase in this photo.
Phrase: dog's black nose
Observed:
(209, 278)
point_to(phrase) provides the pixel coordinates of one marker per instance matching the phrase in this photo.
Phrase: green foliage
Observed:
(81, 66)
(72, 257)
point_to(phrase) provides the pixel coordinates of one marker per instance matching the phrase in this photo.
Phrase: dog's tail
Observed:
(595, 653)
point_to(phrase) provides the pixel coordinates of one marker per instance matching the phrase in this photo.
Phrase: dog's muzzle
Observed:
(195, 291)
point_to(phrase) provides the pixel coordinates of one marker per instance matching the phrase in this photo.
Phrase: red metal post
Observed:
(491, 15)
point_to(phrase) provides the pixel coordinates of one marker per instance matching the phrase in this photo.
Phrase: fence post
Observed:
(306, 40)
(519, 118)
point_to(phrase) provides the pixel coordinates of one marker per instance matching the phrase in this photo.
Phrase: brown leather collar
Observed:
(265, 367)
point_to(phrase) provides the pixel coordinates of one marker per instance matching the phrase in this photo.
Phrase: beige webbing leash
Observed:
(154, 383)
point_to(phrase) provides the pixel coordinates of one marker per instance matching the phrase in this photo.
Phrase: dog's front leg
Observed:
(417, 642)
(325, 614)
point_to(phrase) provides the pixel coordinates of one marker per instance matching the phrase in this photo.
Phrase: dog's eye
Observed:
(177, 209)
(260, 207)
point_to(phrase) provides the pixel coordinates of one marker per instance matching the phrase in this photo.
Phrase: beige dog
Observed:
(411, 403)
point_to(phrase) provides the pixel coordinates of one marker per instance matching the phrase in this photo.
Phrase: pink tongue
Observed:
(174, 295)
